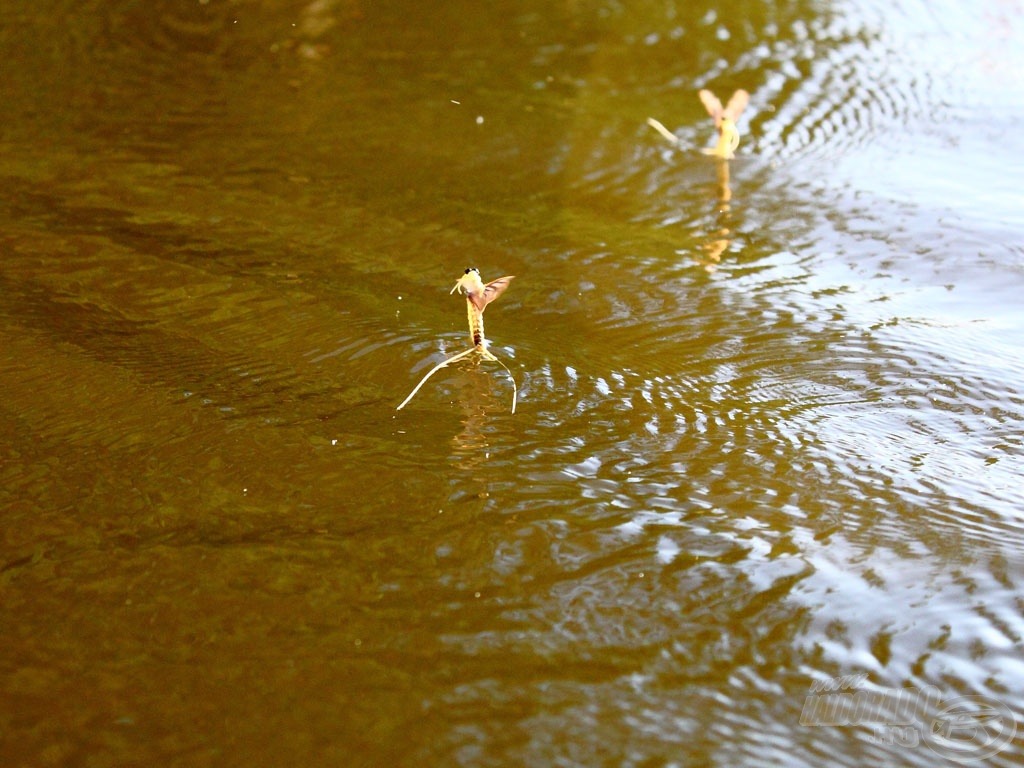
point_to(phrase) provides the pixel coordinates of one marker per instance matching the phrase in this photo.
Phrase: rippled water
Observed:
(770, 417)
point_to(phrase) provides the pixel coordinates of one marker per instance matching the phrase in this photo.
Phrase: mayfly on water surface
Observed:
(478, 295)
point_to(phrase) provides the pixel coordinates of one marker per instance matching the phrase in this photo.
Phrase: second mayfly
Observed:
(478, 296)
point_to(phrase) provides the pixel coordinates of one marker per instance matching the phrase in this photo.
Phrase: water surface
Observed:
(770, 418)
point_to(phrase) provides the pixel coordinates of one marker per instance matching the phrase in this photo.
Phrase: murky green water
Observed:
(761, 442)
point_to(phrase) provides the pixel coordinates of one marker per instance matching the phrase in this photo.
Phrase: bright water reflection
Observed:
(765, 437)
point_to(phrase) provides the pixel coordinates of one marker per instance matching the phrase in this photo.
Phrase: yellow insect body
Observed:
(478, 296)
(728, 140)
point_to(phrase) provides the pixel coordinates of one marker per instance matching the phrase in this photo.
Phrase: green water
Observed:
(769, 420)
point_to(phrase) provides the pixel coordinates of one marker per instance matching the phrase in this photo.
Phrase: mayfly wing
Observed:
(736, 105)
(493, 290)
(711, 104)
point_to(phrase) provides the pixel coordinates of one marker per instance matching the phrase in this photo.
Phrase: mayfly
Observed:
(478, 296)
(725, 121)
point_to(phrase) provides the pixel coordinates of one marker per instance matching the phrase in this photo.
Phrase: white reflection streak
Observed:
(642, 519)
(666, 550)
